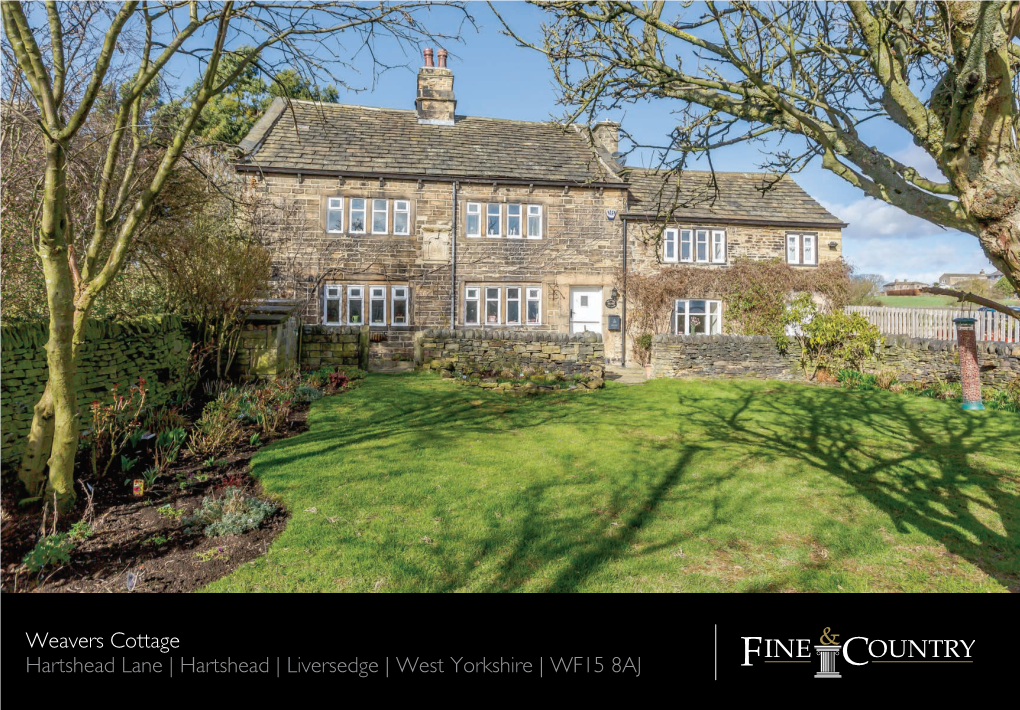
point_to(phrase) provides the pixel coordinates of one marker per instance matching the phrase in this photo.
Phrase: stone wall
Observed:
(922, 360)
(909, 359)
(333, 346)
(486, 351)
(723, 356)
(155, 348)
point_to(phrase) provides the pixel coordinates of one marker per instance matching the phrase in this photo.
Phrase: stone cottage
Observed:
(426, 218)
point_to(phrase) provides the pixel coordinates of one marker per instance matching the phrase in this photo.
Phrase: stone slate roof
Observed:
(993, 275)
(361, 139)
(741, 197)
(336, 138)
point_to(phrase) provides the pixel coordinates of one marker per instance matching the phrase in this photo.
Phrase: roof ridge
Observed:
(331, 104)
(699, 171)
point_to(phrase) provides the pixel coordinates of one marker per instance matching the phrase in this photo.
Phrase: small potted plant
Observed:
(644, 353)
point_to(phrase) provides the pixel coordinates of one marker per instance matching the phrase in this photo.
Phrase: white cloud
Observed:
(918, 159)
(897, 257)
(869, 218)
(883, 239)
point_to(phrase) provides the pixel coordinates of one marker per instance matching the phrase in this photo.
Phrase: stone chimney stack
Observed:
(435, 103)
(606, 135)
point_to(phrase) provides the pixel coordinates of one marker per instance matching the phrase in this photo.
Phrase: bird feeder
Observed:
(970, 373)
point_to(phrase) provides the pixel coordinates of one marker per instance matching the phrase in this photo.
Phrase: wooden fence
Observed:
(938, 323)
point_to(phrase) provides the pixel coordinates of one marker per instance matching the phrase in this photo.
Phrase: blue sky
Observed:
(493, 77)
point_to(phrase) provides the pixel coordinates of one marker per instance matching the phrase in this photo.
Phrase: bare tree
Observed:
(71, 55)
(943, 72)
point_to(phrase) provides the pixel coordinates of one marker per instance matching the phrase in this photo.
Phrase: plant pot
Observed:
(648, 372)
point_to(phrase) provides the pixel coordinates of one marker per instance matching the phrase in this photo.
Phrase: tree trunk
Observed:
(56, 414)
(994, 205)
(1001, 243)
(32, 471)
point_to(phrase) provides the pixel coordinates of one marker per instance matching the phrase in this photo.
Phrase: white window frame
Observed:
(701, 237)
(805, 239)
(532, 294)
(717, 238)
(686, 240)
(519, 301)
(372, 297)
(499, 221)
(402, 207)
(385, 213)
(476, 298)
(474, 209)
(520, 220)
(332, 292)
(797, 240)
(713, 307)
(794, 241)
(364, 215)
(394, 298)
(498, 300)
(670, 237)
(533, 211)
(351, 296)
(330, 208)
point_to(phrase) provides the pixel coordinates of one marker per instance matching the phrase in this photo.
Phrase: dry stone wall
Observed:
(922, 360)
(756, 356)
(155, 348)
(334, 346)
(487, 351)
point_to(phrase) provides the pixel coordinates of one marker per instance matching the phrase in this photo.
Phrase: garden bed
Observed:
(119, 541)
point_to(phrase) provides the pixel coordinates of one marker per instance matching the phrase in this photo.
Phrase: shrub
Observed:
(164, 418)
(168, 446)
(338, 381)
(856, 380)
(834, 341)
(216, 430)
(81, 530)
(887, 381)
(231, 513)
(1008, 399)
(939, 389)
(307, 393)
(51, 550)
(112, 426)
(643, 346)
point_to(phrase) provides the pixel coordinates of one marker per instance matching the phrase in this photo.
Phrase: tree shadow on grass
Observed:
(924, 464)
(423, 411)
(546, 540)
(931, 468)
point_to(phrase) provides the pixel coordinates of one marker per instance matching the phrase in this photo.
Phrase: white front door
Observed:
(586, 309)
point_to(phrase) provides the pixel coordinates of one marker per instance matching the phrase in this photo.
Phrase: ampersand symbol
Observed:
(827, 640)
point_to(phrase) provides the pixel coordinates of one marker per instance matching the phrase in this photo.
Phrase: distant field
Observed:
(917, 301)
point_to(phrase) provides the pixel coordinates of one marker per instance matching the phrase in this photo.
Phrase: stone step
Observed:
(625, 375)
(390, 367)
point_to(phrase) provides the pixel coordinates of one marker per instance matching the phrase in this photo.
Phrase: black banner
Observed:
(598, 647)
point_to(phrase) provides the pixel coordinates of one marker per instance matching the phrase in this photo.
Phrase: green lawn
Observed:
(411, 483)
